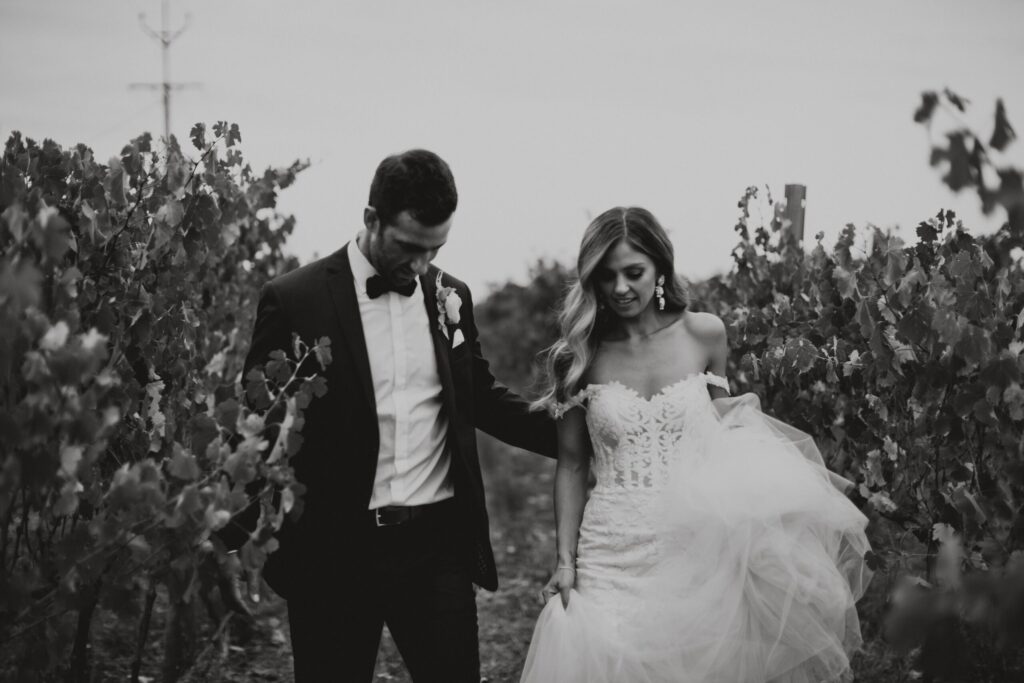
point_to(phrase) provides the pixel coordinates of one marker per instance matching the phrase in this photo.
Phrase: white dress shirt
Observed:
(412, 464)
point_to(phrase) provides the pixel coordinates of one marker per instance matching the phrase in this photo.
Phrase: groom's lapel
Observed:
(441, 343)
(343, 294)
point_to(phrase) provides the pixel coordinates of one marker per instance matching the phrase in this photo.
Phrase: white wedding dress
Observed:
(715, 548)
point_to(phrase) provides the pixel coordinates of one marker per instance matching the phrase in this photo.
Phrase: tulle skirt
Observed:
(757, 564)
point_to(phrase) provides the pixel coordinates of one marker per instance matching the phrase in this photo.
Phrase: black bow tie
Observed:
(377, 285)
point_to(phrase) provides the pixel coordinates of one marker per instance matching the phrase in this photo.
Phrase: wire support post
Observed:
(165, 37)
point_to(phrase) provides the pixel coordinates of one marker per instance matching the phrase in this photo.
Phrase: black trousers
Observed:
(414, 581)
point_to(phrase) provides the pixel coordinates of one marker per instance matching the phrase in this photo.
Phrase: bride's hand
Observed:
(562, 581)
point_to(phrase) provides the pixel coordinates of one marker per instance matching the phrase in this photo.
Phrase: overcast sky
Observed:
(548, 111)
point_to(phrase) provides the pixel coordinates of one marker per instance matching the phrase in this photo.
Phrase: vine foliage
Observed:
(128, 440)
(905, 361)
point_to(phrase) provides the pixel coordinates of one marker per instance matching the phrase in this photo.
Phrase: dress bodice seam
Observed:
(709, 377)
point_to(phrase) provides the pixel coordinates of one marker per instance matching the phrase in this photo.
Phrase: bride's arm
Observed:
(571, 475)
(711, 331)
(719, 358)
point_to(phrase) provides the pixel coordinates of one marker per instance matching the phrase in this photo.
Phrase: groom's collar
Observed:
(362, 269)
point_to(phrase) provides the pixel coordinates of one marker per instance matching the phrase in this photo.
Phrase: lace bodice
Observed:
(635, 438)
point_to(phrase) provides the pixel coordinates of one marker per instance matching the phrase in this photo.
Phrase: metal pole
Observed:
(166, 37)
(165, 58)
(796, 206)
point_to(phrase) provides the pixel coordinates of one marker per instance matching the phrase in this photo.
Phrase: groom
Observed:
(394, 528)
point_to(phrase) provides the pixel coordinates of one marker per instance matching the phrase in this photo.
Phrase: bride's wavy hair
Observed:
(583, 319)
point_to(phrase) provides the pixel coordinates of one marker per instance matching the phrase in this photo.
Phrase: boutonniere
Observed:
(449, 305)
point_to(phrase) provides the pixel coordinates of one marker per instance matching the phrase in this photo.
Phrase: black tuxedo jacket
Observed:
(338, 459)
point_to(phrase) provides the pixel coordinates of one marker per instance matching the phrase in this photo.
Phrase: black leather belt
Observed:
(393, 515)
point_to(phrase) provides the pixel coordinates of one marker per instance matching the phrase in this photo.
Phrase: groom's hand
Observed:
(561, 582)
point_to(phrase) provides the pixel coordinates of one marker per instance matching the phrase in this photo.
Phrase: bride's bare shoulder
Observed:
(707, 327)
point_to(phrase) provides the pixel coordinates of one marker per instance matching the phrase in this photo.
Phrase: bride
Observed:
(714, 547)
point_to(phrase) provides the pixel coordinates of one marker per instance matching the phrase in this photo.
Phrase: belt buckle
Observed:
(377, 520)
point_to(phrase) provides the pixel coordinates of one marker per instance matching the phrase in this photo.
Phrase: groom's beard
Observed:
(402, 277)
(395, 276)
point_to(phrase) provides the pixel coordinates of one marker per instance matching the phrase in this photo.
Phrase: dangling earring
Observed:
(659, 292)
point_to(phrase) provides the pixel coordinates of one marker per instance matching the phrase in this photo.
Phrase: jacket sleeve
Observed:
(499, 411)
(270, 332)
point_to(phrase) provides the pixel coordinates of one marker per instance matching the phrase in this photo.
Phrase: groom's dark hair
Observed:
(417, 181)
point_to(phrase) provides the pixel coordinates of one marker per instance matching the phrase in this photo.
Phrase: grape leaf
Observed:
(116, 183)
(1013, 397)
(226, 414)
(846, 282)
(885, 311)
(913, 327)
(943, 533)
(256, 393)
(800, 355)
(974, 344)
(171, 213)
(278, 371)
(183, 465)
(295, 441)
(198, 135)
(949, 326)
(20, 285)
(961, 172)
(56, 232)
(929, 100)
(956, 100)
(895, 265)
(323, 354)
(16, 219)
(1003, 133)
(1011, 190)
(965, 265)
(864, 319)
(853, 364)
(70, 456)
(927, 232)
(216, 519)
(203, 430)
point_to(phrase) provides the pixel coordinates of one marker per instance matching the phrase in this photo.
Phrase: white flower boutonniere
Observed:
(449, 306)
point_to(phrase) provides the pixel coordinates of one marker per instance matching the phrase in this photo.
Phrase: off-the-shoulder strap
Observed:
(717, 381)
(579, 399)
